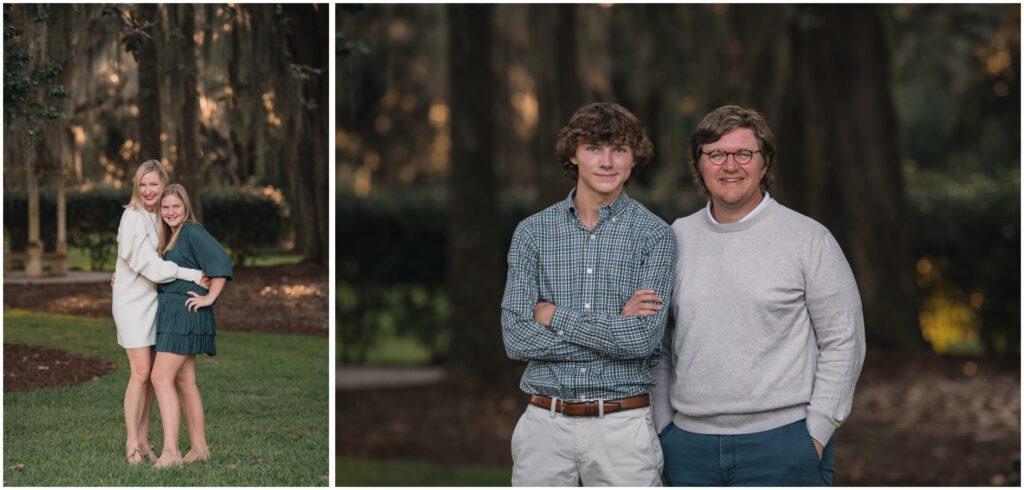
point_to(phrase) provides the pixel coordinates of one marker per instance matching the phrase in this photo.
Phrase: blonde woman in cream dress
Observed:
(134, 300)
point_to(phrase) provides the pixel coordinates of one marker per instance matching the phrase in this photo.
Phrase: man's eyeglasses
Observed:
(718, 157)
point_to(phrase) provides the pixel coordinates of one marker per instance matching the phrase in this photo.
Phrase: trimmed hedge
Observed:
(93, 215)
(970, 227)
(401, 236)
(244, 219)
(393, 239)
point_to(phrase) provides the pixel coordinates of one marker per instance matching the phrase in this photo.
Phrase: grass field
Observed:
(265, 395)
(367, 473)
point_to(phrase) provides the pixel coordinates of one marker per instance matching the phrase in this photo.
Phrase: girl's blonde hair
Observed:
(169, 235)
(146, 167)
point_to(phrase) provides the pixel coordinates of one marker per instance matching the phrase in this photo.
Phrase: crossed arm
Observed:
(539, 330)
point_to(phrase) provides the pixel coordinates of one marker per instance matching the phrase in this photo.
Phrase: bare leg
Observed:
(147, 411)
(165, 370)
(140, 362)
(192, 406)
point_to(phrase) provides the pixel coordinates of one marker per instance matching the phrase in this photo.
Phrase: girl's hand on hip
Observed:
(197, 301)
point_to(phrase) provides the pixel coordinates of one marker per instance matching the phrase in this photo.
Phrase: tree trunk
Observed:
(306, 98)
(149, 86)
(34, 246)
(840, 147)
(242, 111)
(59, 267)
(187, 169)
(475, 275)
(558, 86)
(820, 74)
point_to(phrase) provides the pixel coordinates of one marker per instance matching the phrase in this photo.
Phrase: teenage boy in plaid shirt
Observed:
(587, 278)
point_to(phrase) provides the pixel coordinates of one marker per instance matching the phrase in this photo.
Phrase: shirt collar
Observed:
(751, 214)
(613, 208)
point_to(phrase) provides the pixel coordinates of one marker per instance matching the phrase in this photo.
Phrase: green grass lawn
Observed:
(266, 260)
(265, 395)
(368, 473)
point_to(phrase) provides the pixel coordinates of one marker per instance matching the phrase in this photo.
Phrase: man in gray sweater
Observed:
(767, 337)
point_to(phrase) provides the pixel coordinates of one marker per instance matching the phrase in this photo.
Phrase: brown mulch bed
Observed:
(917, 419)
(28, 368)
(285, 299)
(288, 299)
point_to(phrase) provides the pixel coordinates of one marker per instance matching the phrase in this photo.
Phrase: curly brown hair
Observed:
(722, 120)
(607, 123)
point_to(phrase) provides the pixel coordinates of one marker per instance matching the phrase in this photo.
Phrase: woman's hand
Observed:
(197, 301)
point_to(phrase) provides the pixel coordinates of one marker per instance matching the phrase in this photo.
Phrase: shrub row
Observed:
(243, 219)
(399, 237)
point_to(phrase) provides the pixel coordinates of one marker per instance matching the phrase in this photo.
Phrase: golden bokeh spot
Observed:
(390, 98)
(1001, 88)
(363, 182)
(438, 114)
(924, 266)
(948, 323)
(408, 102)
(977, 300)
(79, 134)
(970, 368)
(399, 30)
(687, 104)
(371, 161)
(340, 139)
(382, 124)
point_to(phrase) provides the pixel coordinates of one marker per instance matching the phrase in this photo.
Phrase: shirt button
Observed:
(583, 370)
(590, 270)
(586, 306)
(593, 237)
(559, 333)
(613, 220)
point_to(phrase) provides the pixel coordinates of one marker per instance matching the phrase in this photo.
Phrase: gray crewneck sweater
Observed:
(766, 327)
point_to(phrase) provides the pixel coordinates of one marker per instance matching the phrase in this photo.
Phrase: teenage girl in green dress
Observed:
(185, 324)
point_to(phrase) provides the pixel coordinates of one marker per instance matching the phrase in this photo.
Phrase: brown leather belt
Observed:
(591, 408)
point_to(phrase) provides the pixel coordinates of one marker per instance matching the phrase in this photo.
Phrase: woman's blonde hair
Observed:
(146, 167)
(169, 235)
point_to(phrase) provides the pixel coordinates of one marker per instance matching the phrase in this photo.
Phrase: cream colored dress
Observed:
(138, 268)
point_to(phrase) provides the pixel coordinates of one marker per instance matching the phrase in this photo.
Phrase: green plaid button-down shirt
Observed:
(590, 351)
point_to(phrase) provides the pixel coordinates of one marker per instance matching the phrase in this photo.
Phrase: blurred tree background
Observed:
(897, 126)
(232, 98)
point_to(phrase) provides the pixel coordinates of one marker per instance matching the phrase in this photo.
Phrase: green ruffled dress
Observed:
(178, 330)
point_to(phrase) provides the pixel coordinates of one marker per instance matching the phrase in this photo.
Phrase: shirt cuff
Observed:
(564, 322)
(192, 275)
(819, 427)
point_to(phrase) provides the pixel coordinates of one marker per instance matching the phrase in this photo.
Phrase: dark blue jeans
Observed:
(784, 456)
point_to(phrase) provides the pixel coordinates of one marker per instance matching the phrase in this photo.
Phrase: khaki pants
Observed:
(618, 449)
